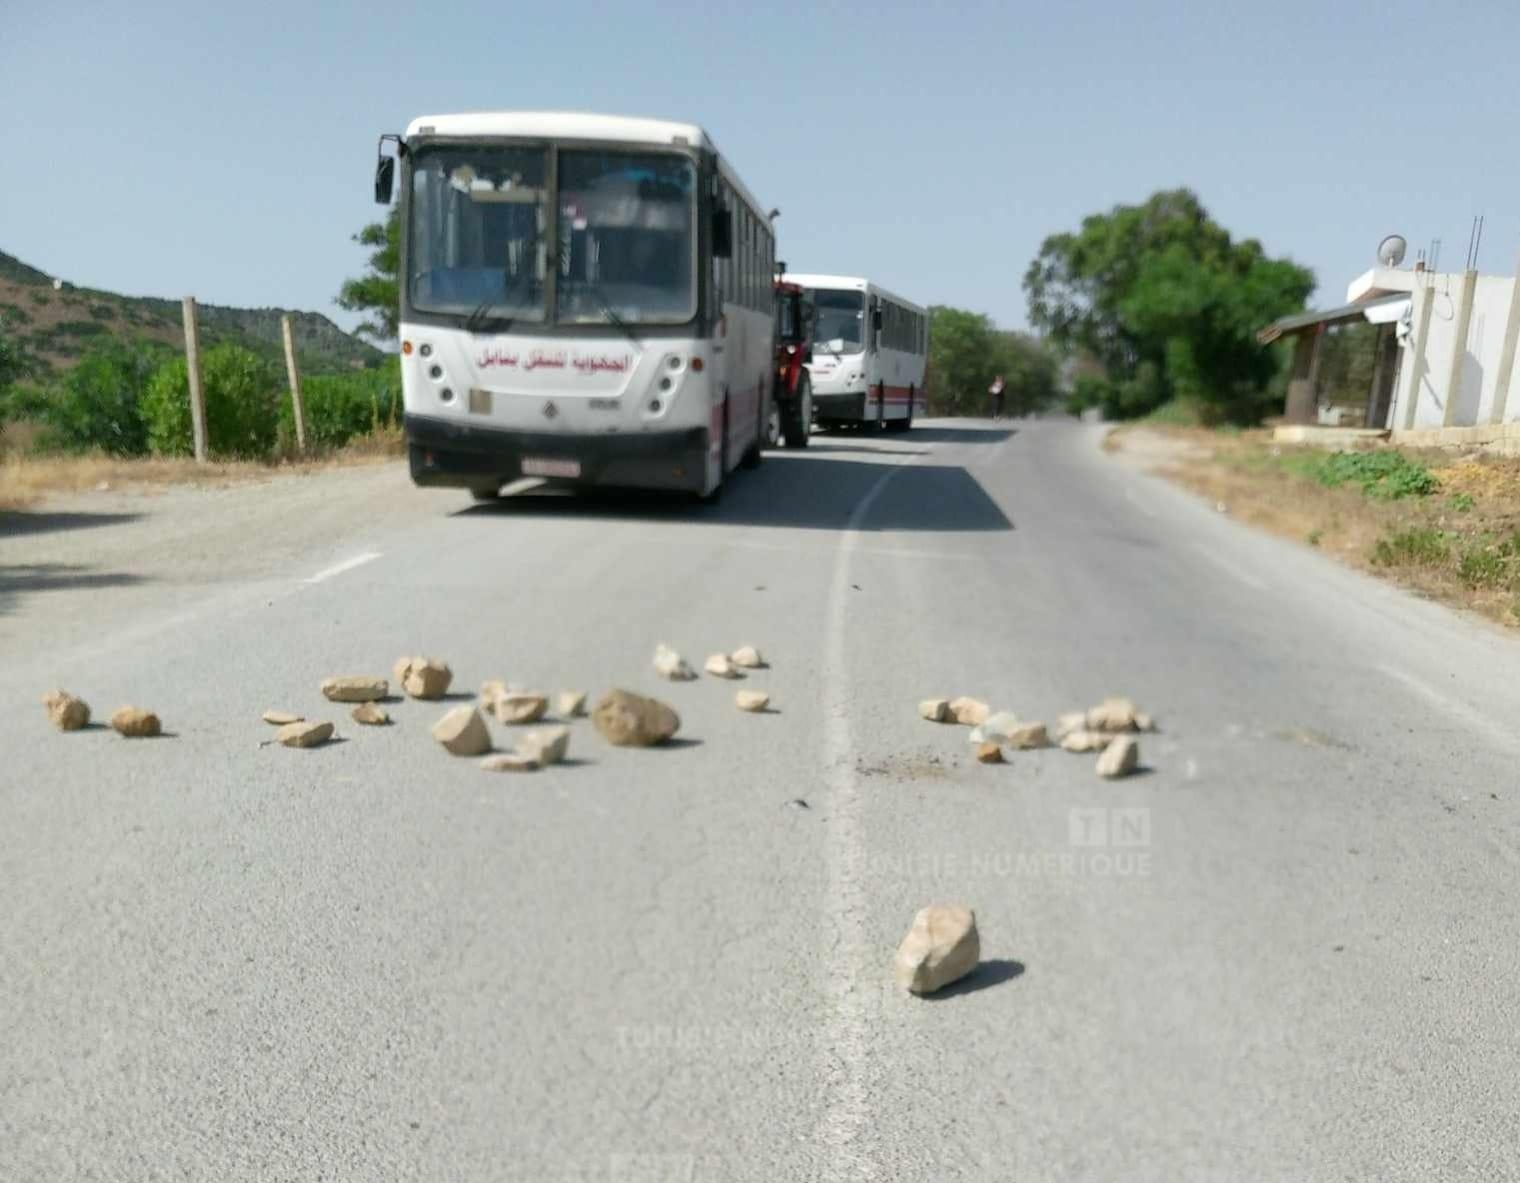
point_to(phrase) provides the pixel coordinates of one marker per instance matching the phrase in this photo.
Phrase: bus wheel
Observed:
(881, 406)
(486, 493)
(756, 451)
(798, 424)
(904, 424)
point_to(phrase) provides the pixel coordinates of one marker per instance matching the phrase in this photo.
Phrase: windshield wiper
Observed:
(611, 313)
(480, 322)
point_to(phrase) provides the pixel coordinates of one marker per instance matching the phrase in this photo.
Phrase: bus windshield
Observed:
(476, 244)
(626, 236)
(841, 321)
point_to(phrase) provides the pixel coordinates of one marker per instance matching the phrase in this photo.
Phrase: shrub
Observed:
(242, 404)
(1386, 475)
(1419, 546)
(340, 407)
(96, 405)
(78, 328)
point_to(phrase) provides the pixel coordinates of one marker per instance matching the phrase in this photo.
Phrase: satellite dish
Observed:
(1391, 250)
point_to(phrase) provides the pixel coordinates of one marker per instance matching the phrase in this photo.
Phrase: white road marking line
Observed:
(1129, 495)
(336, 569)
(853, 992)
(1460, 711)
(1230, 568)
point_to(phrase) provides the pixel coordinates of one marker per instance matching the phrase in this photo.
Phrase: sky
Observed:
(226, 151)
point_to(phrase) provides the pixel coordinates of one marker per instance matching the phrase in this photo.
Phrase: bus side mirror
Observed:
(385, 179)
(722, 234)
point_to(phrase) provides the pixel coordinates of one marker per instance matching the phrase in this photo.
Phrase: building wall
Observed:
(1480, 355)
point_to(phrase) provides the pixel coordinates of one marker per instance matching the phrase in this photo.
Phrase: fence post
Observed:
(193, 369)
(294, 374)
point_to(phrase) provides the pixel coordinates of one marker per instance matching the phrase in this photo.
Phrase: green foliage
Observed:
(1162, 297)
(966, 353)
(340, 407)
(377, 293)
(1418, 546)
(78, 328)
(1387, 475)
(1461, 502)
(1490, 564)
(96, 405)
(242, 393)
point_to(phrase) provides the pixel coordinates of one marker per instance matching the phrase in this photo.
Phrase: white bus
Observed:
(869, 352)
(584, 298)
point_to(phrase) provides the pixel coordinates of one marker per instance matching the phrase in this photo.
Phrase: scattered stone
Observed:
(355, 689)
(942, 947)
(570, 704)
(747, 657)
(423, 677)
(997, 728)
(969, 712)
(628, 720)
(1120, 758)
(671, 665)
(371, 714)
(936, 710)
(1069, 722)
(989, 753)
(798, 803)
(136, 723)
(281, 718)
(67, 711)
(519, 706)
(545, 747)
(463, 732)
(302, 734)
(490, 692)
(752, 700)
(719, 665)
(509, 762)
(1112, 714)
(1086, 741)
(1144, 722)
(1027, 736)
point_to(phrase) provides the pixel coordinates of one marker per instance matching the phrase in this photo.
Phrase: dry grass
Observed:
(27, 477)
(1456, 544)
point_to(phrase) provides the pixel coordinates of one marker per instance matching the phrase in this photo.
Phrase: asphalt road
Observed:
(373, 961)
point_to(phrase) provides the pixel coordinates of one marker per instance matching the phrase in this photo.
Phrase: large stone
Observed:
(996, 728)
(629, 720)
(509, 762)
(519, 706)
(280, 718)
(747, 657)
(424, 677)
(989, 753)
(490, 692)
(1069, 722)
(1144, 722)
(1027, 736)
(355, 689)
(1112, 714)
(570, 704)
(941, 947)
(720, 665)
(752, 700)
(969, 712)
(1120, 758)
(304, 735)
(68, 712)
(136, 723)
(936, 710)
(671, 665)
(1086, 741)
(463, 732)
(371, 714)
(545, 746)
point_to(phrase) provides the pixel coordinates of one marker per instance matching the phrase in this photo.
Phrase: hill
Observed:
(53, 327)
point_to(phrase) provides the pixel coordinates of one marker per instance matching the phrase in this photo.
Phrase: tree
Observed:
(966, 353)
(96, 405)
(242, 392)
(1168, 304)
(377, 293)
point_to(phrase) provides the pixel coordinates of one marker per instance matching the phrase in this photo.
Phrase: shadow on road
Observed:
(988, 973)
(791, 491)
(16, 523)
(46, 577)
(960, 435)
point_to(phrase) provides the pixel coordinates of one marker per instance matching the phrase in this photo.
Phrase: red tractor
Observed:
(792, 389)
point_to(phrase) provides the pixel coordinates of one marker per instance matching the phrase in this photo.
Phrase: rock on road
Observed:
(371, 960)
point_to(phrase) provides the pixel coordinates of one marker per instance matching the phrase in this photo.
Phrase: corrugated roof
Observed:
(1308, 320)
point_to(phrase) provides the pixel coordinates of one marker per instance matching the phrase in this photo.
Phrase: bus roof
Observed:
(851, 283)
(578, 125)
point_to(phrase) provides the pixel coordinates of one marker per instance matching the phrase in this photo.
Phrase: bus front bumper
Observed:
(472, 457)
(840, 406)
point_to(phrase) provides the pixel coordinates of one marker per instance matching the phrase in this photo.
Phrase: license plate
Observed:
(542, 466)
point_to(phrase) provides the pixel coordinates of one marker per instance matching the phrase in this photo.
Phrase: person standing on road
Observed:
(996, 390)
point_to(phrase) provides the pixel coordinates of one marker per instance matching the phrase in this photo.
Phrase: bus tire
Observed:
(797, 419)
(904, 424)
(756, 451)
(486, 493)
(881, 406)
